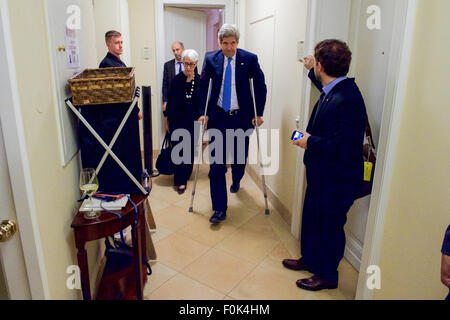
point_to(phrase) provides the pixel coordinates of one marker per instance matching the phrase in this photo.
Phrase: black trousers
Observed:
(183, 170)
(323, 237)
(236, 155)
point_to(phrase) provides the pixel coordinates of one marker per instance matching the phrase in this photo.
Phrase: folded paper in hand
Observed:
(97, 204)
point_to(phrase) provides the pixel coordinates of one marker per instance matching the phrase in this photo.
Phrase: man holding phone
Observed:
(334, 164)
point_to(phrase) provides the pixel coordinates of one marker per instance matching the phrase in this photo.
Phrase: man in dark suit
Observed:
(334, 165)
(230, 107)
(171, 69)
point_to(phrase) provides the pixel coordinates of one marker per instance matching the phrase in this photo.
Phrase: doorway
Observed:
(195, 27)
(380, 66)
(222, 10)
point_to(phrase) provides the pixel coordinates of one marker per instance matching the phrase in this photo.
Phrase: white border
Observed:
(18, 163)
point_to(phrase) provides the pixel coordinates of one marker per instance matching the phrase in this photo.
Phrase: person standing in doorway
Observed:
(230, 107)
(182, 113)
(334, 165)
(171, 69)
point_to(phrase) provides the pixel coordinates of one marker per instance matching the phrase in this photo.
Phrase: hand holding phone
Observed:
(297, 135)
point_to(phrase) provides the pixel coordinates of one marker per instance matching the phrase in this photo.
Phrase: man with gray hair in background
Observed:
(171, 69)
(230, 107)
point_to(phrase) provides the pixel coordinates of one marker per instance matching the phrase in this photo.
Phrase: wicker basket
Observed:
(103, 86)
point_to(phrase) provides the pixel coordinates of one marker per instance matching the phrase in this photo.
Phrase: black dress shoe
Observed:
(180, 190)
(296, 265)
(218, 217)
(235, 187)
(316, 283)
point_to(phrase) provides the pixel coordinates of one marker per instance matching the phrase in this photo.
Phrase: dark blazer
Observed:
(177, 110)
(169, 74)
(111, 61)
(333, 158)
(247, 67)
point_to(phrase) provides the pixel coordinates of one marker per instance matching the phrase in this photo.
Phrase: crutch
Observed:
(202, 132)
(259, 149)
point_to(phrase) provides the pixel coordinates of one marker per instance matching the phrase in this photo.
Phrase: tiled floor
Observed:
(239, 259)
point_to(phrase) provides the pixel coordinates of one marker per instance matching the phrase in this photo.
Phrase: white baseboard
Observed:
(353, 251)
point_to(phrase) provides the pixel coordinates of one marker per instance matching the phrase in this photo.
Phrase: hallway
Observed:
(239, 259)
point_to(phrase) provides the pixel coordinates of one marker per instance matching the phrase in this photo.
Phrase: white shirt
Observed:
(234, 100)
(178, 68)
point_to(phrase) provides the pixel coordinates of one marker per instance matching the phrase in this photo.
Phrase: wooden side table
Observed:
(106, 225)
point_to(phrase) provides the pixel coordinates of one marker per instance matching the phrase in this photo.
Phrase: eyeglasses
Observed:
(189, 64)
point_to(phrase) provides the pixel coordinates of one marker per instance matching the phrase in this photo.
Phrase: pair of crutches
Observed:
(202, 132)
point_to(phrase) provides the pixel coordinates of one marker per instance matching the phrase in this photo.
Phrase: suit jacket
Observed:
(169, 74)
(177, 109)
(333, 159)
(111, 61)
(247, 67)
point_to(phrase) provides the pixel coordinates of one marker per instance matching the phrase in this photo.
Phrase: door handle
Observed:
(61, 48)
(8, 229)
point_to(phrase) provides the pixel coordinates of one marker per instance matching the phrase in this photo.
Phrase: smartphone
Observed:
(297, 135)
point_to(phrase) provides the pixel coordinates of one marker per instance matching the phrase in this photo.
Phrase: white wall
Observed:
(112, 15)
(55, 189)
(286, 74)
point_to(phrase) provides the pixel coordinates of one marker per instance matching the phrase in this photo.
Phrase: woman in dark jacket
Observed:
(182, 113)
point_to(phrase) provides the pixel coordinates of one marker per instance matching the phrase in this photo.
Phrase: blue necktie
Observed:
(227, 83)
(179, 67)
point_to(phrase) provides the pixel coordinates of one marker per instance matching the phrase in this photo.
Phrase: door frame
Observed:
(403, 33)
(18, 166)
(229, 17)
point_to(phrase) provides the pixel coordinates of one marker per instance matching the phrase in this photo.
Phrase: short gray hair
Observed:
(191, 54)
(229, 30)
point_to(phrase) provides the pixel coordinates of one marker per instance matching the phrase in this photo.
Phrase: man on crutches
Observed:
(230, 109)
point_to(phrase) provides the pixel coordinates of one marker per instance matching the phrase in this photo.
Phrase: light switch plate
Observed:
(146, 53)
(300, 50)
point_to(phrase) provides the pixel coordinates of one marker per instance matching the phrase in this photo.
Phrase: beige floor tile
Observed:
(248, 245)
(178, 251)
(157, 205)
(281, 228)
(219, 270)
(264, 283)
(169, 194)
(238, 215)
(277, 255)
(160, 233)
(260, 224)
(243, 199)
(174, 218)
(182, 287)
(160, 274)
(206, 233)
(202, 204)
